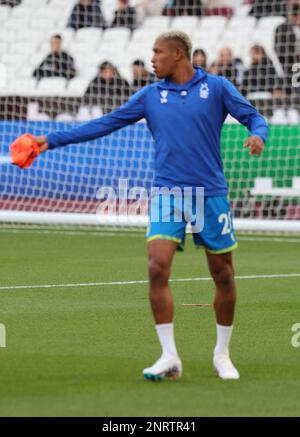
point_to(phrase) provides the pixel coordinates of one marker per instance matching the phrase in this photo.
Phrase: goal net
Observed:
(63, 62)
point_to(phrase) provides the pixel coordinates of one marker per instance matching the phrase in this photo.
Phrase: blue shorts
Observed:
(217, 234)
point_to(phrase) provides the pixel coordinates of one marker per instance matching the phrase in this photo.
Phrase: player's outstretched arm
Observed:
(27, 147)
(246, 114)
(42, 143)
(126, 114)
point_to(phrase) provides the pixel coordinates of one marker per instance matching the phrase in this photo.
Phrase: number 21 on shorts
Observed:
(226, 220)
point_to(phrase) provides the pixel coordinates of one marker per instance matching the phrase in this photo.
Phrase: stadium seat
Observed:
(187, 24)
(157, 24)
(34, 114)
(143, 36)
(3, 78)
(262, 184)
(53, 86)
(279, 116)
(231, 36)
(242, 10)
(67, 35)
(114, 41)
(296, 182)
(91, 61)
(33, 36)
(4, 47)
(259, 95)
(77, 87)
(22, 87)
(241, 24)
(231, 120)
(126, 73)
(135, 50)
(240, 44)
(116, 35)
(65, 117)
(7, 34)
(5, 12)
(105, 53)
(17, 24)
(13, 62)
(108, 8)
(45, 23)
(89, 35)
(270, 23)
(293, 117)
(25, 71)
(207, 40)
(83, 48)
(88, 71)
(84, 114)
(32, 4)
(22, 11)
(203, 34)
(212, 24)
(23, 48)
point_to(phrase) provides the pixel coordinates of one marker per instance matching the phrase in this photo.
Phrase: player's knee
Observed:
(158, 272)
(224, 276)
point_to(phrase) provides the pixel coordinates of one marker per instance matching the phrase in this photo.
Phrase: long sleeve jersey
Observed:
(185, 121)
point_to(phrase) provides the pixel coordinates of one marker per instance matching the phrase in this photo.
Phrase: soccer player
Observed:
(185, 113)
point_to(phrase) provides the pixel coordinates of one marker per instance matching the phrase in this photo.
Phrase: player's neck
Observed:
(184, 73)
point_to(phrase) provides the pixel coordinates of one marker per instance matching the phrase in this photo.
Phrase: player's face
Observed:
(164, 59)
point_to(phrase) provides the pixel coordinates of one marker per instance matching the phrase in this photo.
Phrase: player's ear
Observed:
(179, 54)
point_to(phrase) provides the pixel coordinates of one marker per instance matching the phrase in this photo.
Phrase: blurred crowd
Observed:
(108, 89)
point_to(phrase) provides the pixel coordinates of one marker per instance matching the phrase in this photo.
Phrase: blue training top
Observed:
(185, 121)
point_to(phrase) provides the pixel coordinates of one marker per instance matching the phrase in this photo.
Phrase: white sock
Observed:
(223, 339)
(165, 332)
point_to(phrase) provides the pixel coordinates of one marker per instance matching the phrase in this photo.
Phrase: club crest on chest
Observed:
(204, 91)
(164, 95)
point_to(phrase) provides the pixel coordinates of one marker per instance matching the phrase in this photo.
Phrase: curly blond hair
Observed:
(181, 37)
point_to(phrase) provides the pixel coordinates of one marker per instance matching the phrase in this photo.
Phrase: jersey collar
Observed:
(198, 76)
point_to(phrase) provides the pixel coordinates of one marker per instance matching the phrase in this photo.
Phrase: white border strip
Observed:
(136, 221)
(121, 232)
(103, 284)
(65, 218)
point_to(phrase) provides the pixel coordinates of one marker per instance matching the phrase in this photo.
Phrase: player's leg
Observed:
(160, 256)
(219, 240)
(222, 271)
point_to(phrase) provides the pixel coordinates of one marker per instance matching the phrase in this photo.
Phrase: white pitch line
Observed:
(271, 239)
(72, 233)
(103, 284)
(131, 234)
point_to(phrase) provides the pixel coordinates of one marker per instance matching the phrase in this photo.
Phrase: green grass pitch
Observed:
(79, 350)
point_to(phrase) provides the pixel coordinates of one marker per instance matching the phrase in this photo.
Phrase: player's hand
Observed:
(42, 143)
(255, 144)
